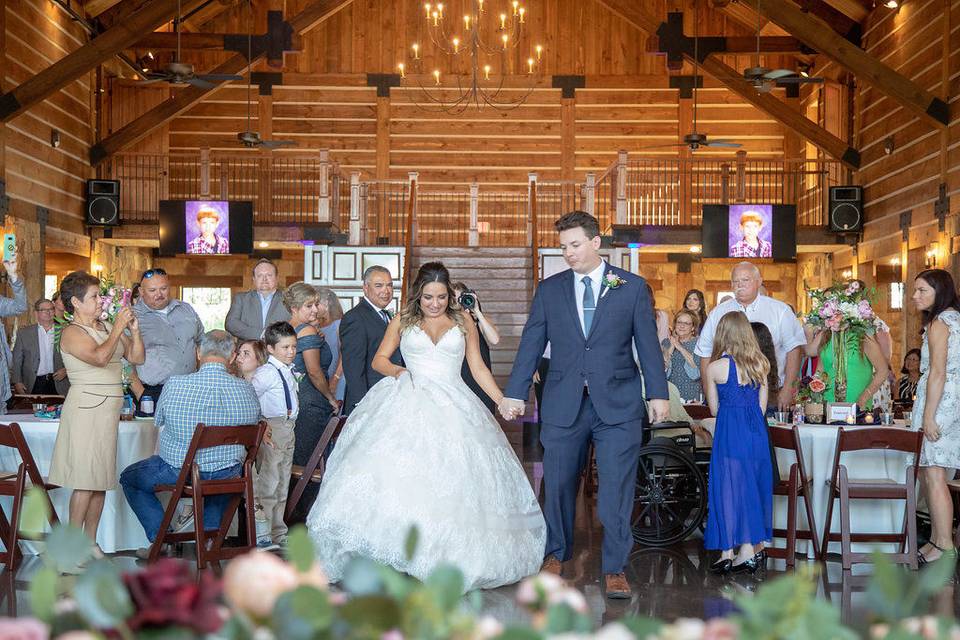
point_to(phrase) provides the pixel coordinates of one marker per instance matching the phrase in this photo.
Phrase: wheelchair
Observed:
(671, 491)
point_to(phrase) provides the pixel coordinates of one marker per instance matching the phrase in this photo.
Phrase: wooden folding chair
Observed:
(845, 489)
(15, 484)
(316, 465)
(26, 402)
(796, 486)
(191, 485)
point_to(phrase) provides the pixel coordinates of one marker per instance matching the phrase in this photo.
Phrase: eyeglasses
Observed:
(149, 273)
(683, 323)
(45, 310)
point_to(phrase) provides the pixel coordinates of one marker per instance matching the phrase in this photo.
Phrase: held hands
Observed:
(511, 409)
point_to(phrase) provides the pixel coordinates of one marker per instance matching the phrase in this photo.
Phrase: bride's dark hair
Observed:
(412, 314)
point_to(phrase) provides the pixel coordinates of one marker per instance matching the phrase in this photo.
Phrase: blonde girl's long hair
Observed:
(411, 314)
(735, 337)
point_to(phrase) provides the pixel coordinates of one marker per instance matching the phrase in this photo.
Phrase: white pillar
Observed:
(621, 216)
(474, 214)
(589, 194)
(323, 204)
(412, 177)
(354, 238)
(531, 194)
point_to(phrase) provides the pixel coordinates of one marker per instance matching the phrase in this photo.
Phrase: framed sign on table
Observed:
(840, 411)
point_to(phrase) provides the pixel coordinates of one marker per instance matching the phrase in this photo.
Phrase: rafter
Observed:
(148, 17)
(817, 33)
(314, 14)
(856, 10)
(631, 11)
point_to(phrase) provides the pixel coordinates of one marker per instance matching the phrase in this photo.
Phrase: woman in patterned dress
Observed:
(937, 407)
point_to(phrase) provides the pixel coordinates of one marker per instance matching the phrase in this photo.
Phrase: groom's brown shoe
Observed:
(551, 565)
(617, 586)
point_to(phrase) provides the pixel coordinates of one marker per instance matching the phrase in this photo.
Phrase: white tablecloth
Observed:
(819, 443)
(119, 528)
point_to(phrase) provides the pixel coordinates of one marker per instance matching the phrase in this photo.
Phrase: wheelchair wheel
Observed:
(671, 496)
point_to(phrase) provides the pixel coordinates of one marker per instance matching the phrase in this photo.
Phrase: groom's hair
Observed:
(576, 219)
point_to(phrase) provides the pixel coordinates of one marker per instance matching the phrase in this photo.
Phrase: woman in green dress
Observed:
(867, 368)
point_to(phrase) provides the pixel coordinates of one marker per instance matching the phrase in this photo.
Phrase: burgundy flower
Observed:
(168, 594)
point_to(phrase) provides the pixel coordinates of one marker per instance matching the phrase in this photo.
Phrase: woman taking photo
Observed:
(936, 409)
(683, 366)
(85, 453)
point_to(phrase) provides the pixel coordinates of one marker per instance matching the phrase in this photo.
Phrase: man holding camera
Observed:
(361, 332)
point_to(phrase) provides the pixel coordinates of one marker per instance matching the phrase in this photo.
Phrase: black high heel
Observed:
(751, 566)
(721, 567)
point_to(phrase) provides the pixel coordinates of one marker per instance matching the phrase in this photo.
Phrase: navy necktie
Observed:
(589, 305)
(385, 315)
(286, 391)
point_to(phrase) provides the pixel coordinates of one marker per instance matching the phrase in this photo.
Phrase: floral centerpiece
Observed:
(845, 311)
(811, 392)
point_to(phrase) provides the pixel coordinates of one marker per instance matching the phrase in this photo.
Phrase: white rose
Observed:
(253, 582)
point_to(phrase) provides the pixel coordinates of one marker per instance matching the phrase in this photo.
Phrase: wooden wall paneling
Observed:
(383, 138)
(568, 138)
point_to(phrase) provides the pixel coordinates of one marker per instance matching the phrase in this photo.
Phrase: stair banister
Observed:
(354, 239)
(411, 232)
(533, 227)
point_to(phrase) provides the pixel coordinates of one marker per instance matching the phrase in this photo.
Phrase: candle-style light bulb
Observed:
(401, 68)
(486, 71)
(427, 6)
(522, 11)
(466, 22)
(505, 38)
(539, 52)
(440, 9)
(530, 64)
(416, 51)
(436, 18)
(516, 3)
(436, 76)
(456, 45)
(503, 21)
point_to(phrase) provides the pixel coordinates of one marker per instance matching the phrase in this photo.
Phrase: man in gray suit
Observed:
(253, 310)
(37, 363)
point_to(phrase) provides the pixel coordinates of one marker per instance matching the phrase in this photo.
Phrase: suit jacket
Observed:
(361, 332)
(26, 360)
(245, 318)
(603, 359)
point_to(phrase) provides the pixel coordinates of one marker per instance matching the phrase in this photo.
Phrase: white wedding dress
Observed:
(424, 450)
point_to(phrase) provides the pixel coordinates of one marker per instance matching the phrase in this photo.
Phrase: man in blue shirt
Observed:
(211, 396)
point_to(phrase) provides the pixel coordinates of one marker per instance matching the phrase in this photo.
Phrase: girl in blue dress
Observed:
(740, 488)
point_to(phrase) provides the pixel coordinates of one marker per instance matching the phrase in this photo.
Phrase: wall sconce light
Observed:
(931, 256)
(895, 261)
(97, 268)
(54, 138)
(847, 274)
(888, 145)
(892, 4)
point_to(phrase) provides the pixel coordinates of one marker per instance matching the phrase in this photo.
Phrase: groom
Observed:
(592, 316)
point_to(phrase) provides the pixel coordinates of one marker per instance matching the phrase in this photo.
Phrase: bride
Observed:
(421, 449)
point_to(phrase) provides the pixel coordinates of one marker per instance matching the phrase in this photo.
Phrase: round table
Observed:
(119, 528)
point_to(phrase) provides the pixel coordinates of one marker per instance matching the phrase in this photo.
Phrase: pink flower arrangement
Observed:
(842, 307)
(112, 299)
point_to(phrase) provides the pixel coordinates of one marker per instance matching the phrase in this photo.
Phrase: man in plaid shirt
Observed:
(211, 396)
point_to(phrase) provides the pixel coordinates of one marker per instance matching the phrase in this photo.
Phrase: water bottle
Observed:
(798, 417)
(146, 405)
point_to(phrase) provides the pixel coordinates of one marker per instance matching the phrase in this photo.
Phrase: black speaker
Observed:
(846, 209)
(103, 203)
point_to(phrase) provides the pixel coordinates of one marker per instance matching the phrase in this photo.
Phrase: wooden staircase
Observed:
(503, 280)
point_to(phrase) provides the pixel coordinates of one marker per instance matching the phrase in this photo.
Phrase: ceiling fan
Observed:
(179, 73)
(764, 79)
(248, 137)
(695, 139)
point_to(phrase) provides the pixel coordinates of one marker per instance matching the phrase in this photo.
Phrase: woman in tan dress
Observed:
(85, 454)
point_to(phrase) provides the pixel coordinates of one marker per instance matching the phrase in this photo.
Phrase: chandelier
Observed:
(469, 47)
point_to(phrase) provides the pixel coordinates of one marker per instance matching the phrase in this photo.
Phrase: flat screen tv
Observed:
(749, 231)
(206, 227)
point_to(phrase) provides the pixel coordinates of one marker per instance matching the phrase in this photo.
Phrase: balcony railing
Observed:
(309, 189)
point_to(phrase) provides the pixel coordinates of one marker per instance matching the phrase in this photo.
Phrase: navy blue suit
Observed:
(592, 392)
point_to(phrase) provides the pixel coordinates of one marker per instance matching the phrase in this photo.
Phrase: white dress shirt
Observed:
(265, 306)
(375, 308)
(596, 283)
(786, 330)
(45, 341)
(266, 382)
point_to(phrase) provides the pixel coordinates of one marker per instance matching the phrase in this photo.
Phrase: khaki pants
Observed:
(272, 478)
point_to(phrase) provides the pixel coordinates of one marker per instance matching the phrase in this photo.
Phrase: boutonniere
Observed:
(298, 376)
(613, 281)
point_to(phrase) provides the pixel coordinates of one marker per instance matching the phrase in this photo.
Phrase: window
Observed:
(49, 286)
(210, 303)
(896, 295)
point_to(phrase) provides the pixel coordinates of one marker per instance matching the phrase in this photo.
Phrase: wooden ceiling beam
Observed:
(206, 13)
(856, 10)
(816, 33)
(633, 13)
(148, 17)
(93, 8)
(314, 14)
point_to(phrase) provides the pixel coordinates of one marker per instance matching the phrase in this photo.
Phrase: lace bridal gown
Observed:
(424, 450)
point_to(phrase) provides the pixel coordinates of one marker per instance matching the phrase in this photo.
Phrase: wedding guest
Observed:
(936, 409)
(694, 301)
(276, 387)
(37, 364)
(329, 315)
(488, 335)
(250, 312)
(313, 359)
(58, 309)
(210, 396)
(907, 385)
(683, 366)
(134, 293)
(765, 342)
(662, 317)
(787, 332)
(171, 334)
(85, 452)
(740, 480)
(247, 358)
(9, 307)
(361, 332)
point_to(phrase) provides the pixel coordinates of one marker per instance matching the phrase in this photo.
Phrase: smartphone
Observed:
(9, 246)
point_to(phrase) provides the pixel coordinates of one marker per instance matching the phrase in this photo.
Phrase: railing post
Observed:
(741, 176)
(725, 183)
(412, 225)
(205, 172)
(621, 216)
(474, 215)
(354, 238)
(589, 194)
(323, 205)
(533, 235)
